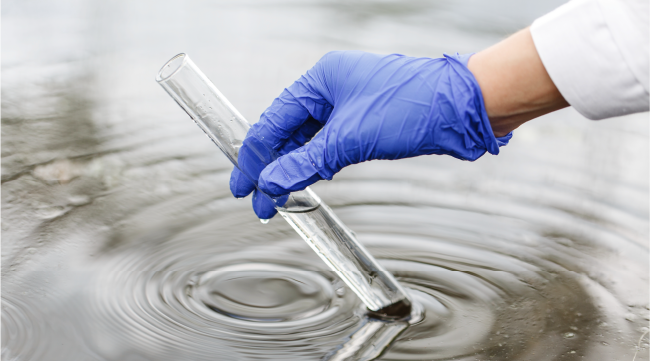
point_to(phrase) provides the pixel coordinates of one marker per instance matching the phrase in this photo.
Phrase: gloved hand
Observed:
(366, 106)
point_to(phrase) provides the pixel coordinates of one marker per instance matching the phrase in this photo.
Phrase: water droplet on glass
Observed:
(264, 221)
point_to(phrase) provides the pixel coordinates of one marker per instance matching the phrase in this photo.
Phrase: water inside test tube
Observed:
(329, 238)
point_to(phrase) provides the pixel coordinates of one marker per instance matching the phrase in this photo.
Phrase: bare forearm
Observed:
(515, 85)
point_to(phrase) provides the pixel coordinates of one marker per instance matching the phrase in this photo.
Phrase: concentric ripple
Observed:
(20, 330)
(506, 287)
(202, 297)
(501, 274)
(32, 330)
(263, 292)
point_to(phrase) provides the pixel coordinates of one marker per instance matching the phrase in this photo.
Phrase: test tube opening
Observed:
(171, 67)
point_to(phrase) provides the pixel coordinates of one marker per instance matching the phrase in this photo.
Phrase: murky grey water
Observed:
(120, 240)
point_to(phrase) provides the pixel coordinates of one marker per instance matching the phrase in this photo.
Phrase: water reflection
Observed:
(369, 341)
(121, 240)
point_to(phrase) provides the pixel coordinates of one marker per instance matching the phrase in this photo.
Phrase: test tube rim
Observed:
(160, 78)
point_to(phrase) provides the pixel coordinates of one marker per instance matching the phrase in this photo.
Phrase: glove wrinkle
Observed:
(353, 107)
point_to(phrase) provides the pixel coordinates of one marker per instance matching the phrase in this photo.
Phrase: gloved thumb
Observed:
(293, 171)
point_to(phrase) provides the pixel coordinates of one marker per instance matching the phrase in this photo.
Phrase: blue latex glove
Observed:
(366, 106)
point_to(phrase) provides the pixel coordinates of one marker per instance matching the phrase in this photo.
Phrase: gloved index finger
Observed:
(297, 104)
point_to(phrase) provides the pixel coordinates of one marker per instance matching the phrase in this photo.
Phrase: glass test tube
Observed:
(305, 212)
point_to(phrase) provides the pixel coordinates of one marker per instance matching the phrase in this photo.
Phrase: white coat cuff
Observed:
(584, 61)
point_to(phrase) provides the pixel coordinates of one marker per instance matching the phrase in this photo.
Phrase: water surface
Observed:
(120, 239)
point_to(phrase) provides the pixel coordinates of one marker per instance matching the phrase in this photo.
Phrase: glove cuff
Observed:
(480, 129)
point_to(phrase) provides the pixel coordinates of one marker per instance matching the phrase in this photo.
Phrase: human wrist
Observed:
(515, 85)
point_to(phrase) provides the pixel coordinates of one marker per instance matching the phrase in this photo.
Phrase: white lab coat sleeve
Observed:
(596, 52)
